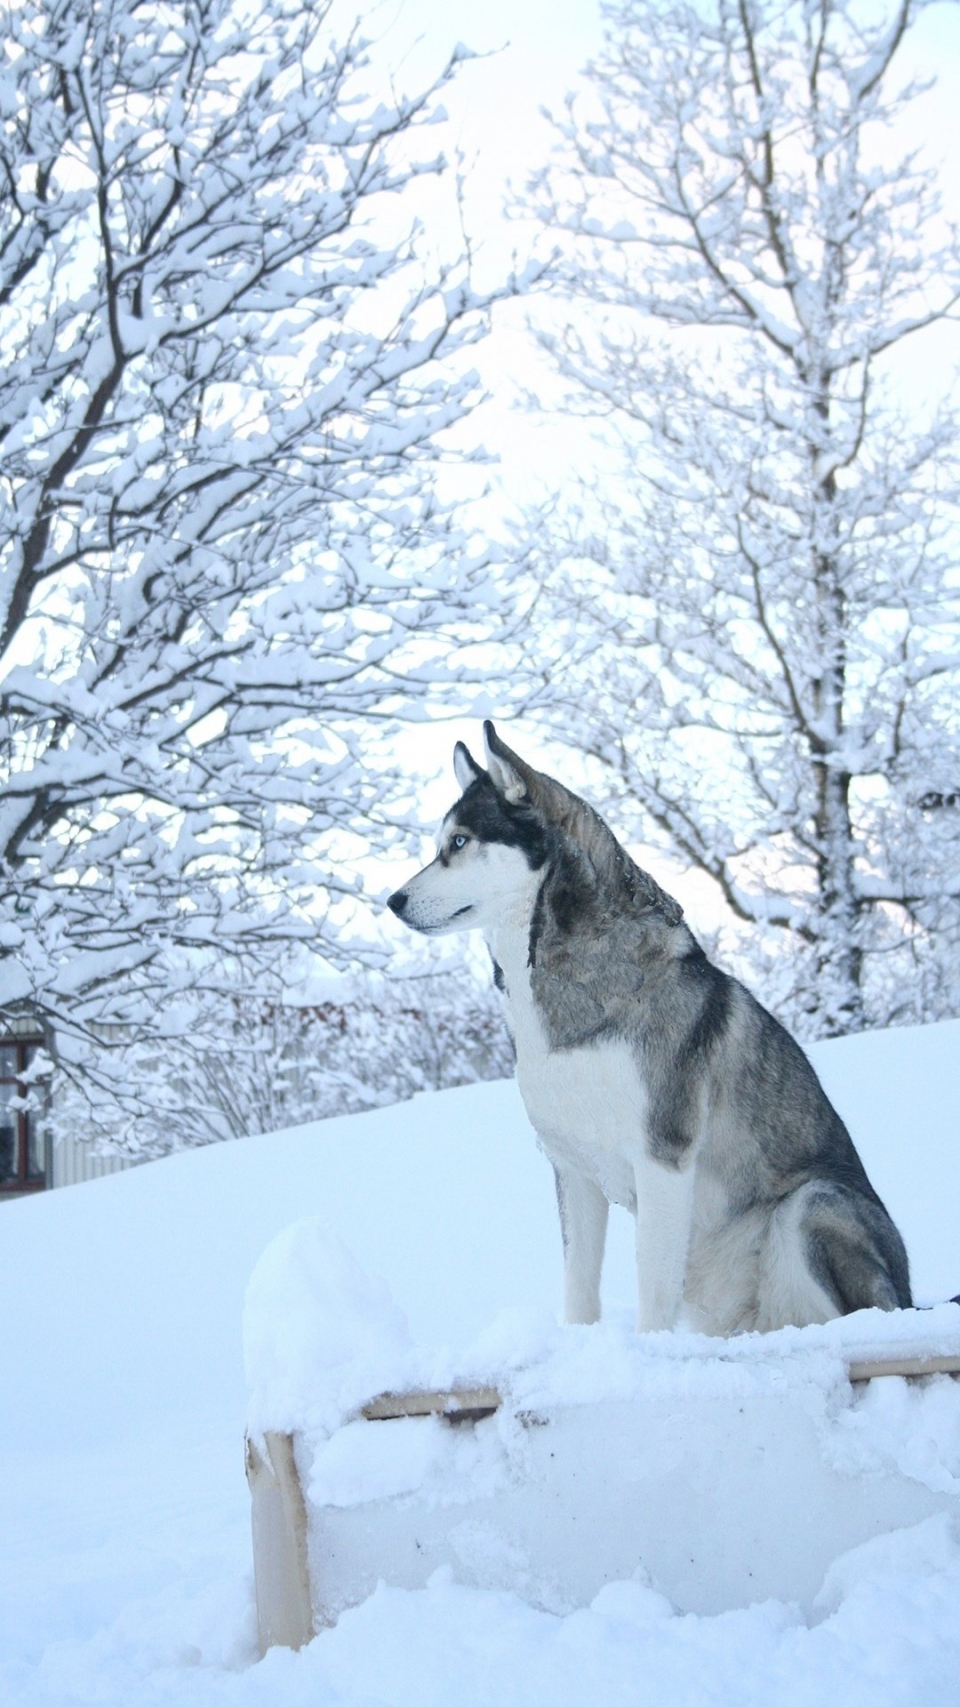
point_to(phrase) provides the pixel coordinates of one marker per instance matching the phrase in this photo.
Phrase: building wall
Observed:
(69, 1161)
(72, 1161)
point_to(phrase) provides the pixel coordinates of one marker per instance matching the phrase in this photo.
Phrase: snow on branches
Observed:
(760, 638)
(225, 380)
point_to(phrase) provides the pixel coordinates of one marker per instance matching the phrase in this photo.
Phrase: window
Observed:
(22, 1147)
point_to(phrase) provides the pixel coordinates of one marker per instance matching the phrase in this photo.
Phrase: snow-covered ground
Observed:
(124, 1539)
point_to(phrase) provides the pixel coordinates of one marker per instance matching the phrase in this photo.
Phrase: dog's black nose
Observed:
(398, 902)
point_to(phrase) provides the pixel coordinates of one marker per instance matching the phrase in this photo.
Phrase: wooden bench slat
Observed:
(473, 1402)
(463, 1402)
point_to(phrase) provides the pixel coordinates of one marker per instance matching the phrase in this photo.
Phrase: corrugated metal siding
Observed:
(73, 1161)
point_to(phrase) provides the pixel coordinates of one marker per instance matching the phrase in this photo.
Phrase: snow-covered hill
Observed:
(124, 1543)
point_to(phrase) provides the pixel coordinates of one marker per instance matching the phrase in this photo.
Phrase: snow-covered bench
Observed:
(552, 1461)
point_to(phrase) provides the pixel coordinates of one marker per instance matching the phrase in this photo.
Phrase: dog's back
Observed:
(814, 1238)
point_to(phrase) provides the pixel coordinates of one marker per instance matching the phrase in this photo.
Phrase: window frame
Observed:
(21, 1181)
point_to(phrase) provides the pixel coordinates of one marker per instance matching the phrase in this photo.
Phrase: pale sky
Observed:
(533, 52)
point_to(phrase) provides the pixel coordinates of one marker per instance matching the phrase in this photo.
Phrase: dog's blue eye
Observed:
(460, 842)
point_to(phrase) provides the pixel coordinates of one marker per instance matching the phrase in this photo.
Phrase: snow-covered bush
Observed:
(249, 1063)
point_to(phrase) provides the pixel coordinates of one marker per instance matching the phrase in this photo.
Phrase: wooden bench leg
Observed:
(281, 1565)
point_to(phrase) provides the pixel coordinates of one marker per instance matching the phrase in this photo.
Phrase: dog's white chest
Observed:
(588, 1104)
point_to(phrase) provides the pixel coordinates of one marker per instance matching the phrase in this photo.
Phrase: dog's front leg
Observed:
(583, 1223)
(664, 1216)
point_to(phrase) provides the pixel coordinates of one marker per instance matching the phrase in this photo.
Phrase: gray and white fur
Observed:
(651, 1078)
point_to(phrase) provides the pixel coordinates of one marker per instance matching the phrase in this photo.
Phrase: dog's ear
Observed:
(556, 805)
(508, 773)
(465, 767)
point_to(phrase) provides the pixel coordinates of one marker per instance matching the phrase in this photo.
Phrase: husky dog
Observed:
(651, 1078)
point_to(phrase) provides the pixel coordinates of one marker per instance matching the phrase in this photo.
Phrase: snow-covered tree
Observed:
(757, 623)
(225, 376)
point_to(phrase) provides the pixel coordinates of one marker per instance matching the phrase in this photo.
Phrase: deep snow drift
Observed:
(124, 1544)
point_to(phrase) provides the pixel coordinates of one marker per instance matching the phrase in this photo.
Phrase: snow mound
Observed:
(317, 1331)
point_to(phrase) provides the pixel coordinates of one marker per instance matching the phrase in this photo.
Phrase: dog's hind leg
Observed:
(583, 1223)
(855, 1251)
(829, 1251)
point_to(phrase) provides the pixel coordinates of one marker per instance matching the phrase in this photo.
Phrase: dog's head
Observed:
(496, 840)
(492, 844)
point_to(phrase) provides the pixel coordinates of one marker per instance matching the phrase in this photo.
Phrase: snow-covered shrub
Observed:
(246, 1064)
